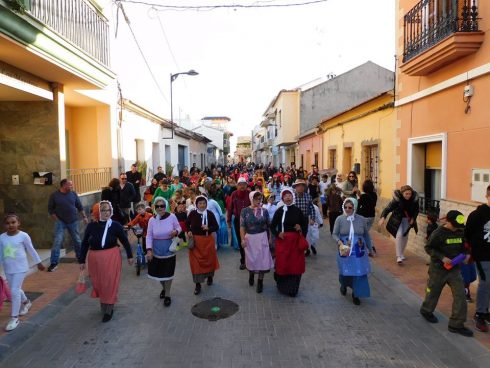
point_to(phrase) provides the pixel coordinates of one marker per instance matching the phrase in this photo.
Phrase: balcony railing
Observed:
(427, 205)
(78, 21)
(430, 21)
(89, 180)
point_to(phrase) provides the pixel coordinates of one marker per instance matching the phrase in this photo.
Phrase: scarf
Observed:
(257, 210)
(203, 213)
(351, 218)
(108, 222)
(161, 199)
(285, 206)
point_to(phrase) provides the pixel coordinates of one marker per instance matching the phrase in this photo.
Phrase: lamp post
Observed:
(172, 78)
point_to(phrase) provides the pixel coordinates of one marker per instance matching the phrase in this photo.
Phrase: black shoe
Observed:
(307, 253)
(162, 294)
(167, 301)
(251, 279)
(429, 317)
(197, 290)
(242, 266)
(313, 249)
(52, 267)
(107, 317)
(260, 285)
(462, 331)
(343, 290)
(485, 316)
(356, 300)
(210, 281)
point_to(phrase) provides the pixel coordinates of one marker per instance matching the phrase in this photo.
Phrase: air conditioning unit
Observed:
(480, 180)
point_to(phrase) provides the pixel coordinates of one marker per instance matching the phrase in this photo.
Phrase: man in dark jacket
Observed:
(445, 245)
(478, 235)
(127, 195)
(134, 177)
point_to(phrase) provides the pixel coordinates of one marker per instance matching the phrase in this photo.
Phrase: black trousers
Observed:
(236, 224)
(332, 216)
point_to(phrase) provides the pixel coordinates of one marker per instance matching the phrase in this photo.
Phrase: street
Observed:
(319, 328)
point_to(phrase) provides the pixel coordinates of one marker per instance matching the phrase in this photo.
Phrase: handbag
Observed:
(81, 285)
(357, 263)
(174, 247)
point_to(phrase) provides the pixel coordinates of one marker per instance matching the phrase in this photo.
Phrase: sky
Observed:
(244, 57)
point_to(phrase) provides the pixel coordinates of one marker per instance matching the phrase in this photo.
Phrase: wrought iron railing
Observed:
(78, 21)
(89, 180)
(430, 21)
(428, 205)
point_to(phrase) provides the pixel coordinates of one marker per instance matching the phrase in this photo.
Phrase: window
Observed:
(279, 119)
(316, 159)
(371, 166)
(140, 150)
(332, 158)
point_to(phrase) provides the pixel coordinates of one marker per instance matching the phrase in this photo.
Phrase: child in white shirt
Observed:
(13, 246)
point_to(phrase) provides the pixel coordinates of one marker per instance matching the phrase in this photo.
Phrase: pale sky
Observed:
(245, 56)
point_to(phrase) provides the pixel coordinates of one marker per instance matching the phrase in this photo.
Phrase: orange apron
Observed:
(203, 258)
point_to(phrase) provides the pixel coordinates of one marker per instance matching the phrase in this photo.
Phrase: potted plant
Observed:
(169, 169)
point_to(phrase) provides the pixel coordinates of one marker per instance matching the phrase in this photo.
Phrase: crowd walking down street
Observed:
(274, 219)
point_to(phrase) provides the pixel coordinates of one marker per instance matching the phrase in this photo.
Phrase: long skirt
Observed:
(104, 268)
(257, 253)
(358, 284)
(162, 265)
(203, 258)
(288, 284)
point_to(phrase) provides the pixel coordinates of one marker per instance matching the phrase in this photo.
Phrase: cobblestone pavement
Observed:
(319, 328)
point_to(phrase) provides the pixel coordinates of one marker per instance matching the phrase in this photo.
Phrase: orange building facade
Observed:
(443, 114)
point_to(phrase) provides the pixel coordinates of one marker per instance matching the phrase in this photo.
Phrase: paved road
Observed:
(319, 328)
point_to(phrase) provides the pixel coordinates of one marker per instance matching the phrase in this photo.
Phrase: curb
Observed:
(12, 341)
(471, 347)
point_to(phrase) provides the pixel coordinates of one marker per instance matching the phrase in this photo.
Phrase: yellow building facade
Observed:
(363, 140)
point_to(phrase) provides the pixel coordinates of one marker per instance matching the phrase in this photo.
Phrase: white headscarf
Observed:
(203, 213)
(350, 218)
(108, 222)
(285, 206)
(165, 203)
(258, 212)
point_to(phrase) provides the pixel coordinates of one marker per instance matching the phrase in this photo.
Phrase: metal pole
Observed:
(171, 106)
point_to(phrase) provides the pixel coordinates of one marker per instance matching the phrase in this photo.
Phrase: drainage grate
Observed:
(214, 309)
(32, 295)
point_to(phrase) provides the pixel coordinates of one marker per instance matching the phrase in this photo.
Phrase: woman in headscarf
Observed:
(288, 225)
(254, 230)
(404, 209)
(352, 236)
(161, 261)
(203, 259)
(101, 243)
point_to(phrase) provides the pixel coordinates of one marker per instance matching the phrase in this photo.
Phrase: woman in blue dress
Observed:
(352, 236)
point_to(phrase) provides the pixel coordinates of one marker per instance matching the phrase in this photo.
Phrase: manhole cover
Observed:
(214, 309)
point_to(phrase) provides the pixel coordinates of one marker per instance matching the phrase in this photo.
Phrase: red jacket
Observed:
(238, 200)
(141, 221)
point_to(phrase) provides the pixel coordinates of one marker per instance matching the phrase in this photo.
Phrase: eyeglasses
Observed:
(157, 206)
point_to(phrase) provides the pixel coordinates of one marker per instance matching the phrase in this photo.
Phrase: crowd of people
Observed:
(272, 216)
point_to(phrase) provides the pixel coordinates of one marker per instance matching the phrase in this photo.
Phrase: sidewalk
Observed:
(413, 273)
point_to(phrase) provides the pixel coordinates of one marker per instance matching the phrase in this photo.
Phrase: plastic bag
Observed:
(81, 285)
(223, 233)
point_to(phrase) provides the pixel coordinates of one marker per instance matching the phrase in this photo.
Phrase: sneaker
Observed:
(399, 260)
(480, 323)
(13, 323)
(403, 258)
(462, 331)
(52, 267)
(468, 295)
(429, 317)
(24, 309)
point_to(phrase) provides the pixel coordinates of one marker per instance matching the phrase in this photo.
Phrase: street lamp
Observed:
(172, 78)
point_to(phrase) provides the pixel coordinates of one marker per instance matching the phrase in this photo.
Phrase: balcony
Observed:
(89, 180)
(437, 33)
(429, 206)
(78, 21)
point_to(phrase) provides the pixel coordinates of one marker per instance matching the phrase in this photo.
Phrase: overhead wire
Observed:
(126, 18)
(255, 5)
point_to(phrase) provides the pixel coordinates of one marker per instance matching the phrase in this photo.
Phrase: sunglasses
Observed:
(159, 206)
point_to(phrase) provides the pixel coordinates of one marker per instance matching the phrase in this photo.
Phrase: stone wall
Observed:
(29, 142)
